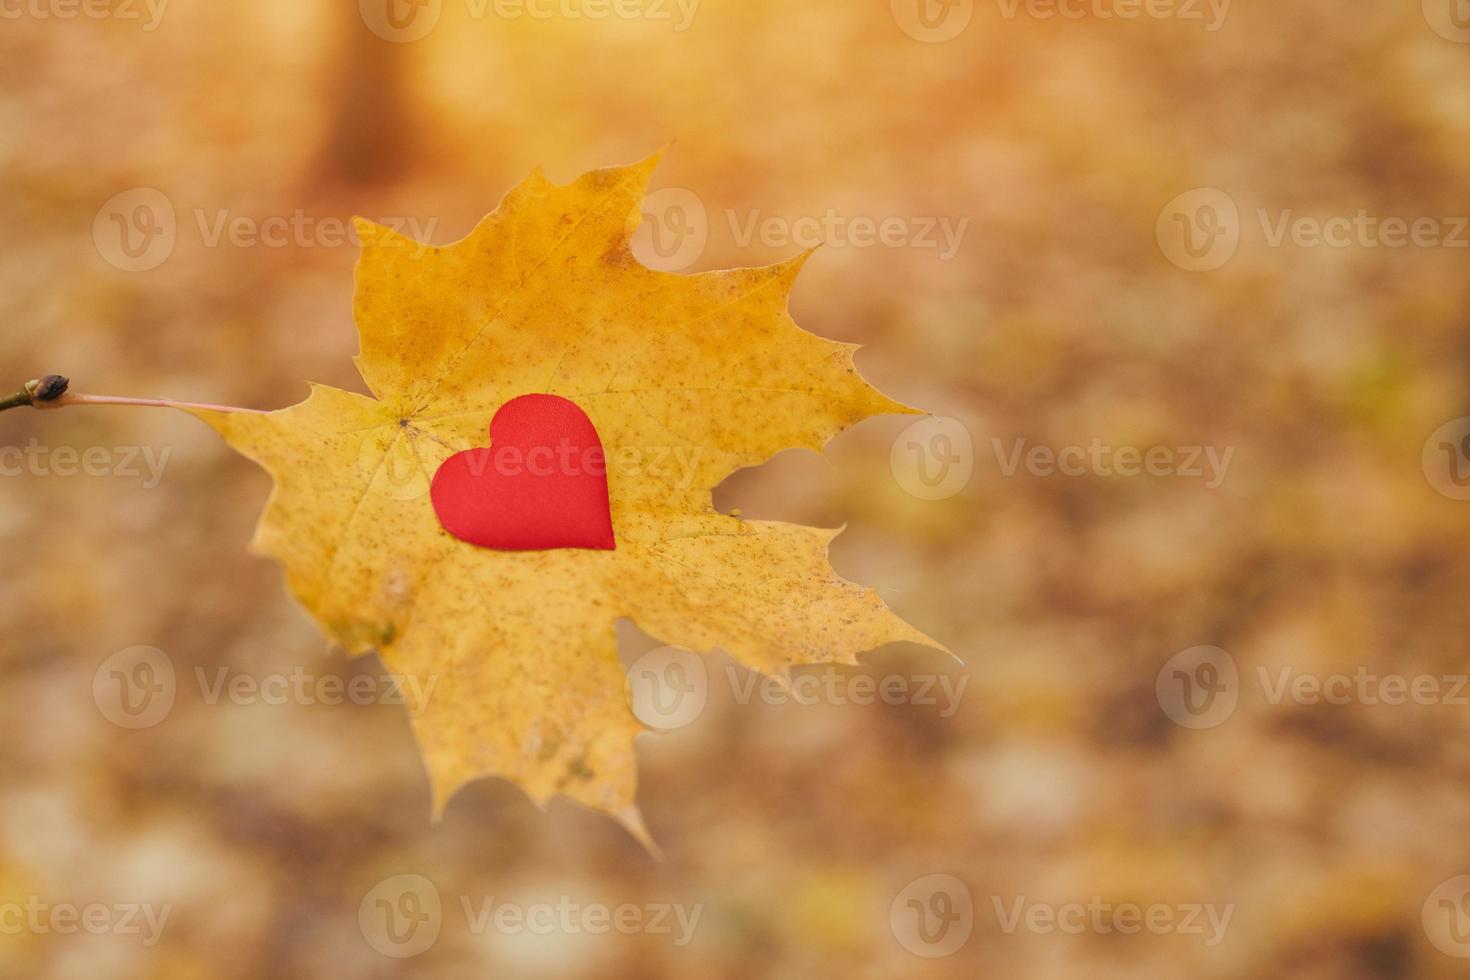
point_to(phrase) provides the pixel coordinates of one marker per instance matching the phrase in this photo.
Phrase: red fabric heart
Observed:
(541, 484)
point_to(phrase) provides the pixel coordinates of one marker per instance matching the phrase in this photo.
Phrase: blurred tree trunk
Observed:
(369, 140)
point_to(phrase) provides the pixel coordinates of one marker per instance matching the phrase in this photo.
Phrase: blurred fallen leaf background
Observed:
(1231, 233)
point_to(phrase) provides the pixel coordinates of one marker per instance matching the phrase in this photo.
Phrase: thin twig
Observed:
(50, 392)
(66, 400)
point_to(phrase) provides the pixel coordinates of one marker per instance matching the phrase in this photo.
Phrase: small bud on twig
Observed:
(37, 392)
(49, 388)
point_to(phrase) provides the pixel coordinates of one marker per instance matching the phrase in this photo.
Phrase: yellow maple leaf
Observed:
(686, 378)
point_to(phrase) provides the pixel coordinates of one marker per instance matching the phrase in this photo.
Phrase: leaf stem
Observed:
(66, 400)
(50, 392)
